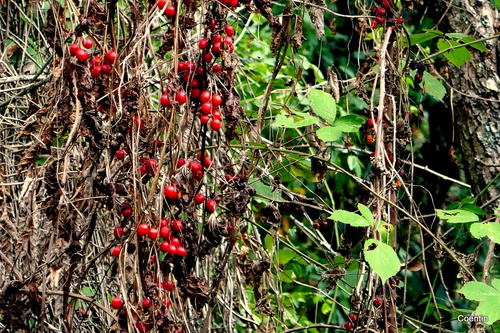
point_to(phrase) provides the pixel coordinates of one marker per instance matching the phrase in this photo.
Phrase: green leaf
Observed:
(381, 258)
(433, 86)
(349, 123)
(473, 208)
(457, 216)
(456, 35)
(350, 218)
(286, 255)
(323, 104)
(365, 211)
(457, 57)
(490, 298)
(303, 170)
(386, 231)
(424, 37)
(490, 230)
(329, 133)
(478, 46)
(294, 121)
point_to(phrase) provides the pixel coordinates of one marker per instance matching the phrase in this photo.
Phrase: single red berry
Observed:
(229, 228)
(161, 4)
(164, 222)
(142, 230)
(217, 38)
(213, 24)
(216, 115)
(110, 57)
(180, 162)
(87, 43)
(229, 30)
(215, 124)
(82, 55)
(228, 40)
(233, 3)
(216, 68)
(106, 69)
(181, 66)
(199, 198)
(231, 48)
(195, 83)
(381, 11)
(73, 48)
(169, 285)
(195, 93)
(399, 20)
(146, 303)
(216, 100)
(369, 139)
(181, 251)
(190, 66)
(118, 232)
(211, 205)
(139, 124)
(120, 154)
(153, 234)
(181, 97)
(170, 192)
(194, 166)
(172, 249)
(380, 19)
(348, 326)
(229, 178)
(170, 11)
(374, 24)
(127, 212)
(143, 169)
(205, 96)
(164, 100)
(200, 71)
(203, 43)
(216, 47)
(177, 225)
(386, 4)
(353, 318)
(377, 301)
(207, 163)
(96, 72)
(164, 246)
(115, 252)
(204, 119)
(371, 121)
(208, 57)
(175, 241)
(116, 303)
(165, 232)
(95, 61)
(206, 108)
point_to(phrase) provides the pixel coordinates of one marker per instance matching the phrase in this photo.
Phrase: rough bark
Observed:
(476, 92)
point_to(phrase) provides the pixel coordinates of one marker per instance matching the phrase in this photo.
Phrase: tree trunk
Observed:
(475, 93)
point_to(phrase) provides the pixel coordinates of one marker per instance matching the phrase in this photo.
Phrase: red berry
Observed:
(199, 198)
(229, 228)
(172, 249)
(353, 318)
(170, 11)
(399, 20)
(198, 175)
(96, 72)
(229, 30)
(190, 66)
(374, 24)
(194, 166)
(164, 246)
(106, 69)
(116, 303)
(216, 124)
(177, 225)
(216, 115)
(181, 251)
(142, 230)
(386, 4)
(118, 232)
(180, 162)
(170, 192)
(153, 234)
(161, 4)
(204, 119)
(211, 205)
(195, 83)
(95, 61)
(146, 303)
(203, 44)
(143, 169)
(181, 97)
(169, 285)
(371, 121)
(73, 48)
(120, 154)
(229, 178)
(165, 232)
(206, 108)
(213, 24)
(216, 47)
(87, 43)
(175, 241)
(228, 40)
(381, 11)
(216, 100)
(82, 55)
(348, 326)
(208, 57)
(115, 252)
(377, 301)
(380, 19)
(164, 222)
(164, 100)
(195, 93)
(139, 124)
(207, 162)
(127, 212)
(110, 57)
(217, 38)
(200, 71)
(205, 96)
(181, 66)
(233, 3)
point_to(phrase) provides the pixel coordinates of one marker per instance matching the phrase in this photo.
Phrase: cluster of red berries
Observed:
(351, 322)
(383, 14)
(98, 66)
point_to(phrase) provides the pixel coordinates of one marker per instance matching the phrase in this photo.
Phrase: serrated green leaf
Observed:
(286, 255)
(349, 123)
(457, 57)
(422, 38)
(329, 133)
(323, 104)
(490, 230)
(365, 211)
(350, 218)
(381, 258)
(457, 216)
(433, 86)
(478, 46)
(490, 298)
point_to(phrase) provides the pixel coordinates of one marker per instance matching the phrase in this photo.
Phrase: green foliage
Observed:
(381, 258)
(488, 296)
